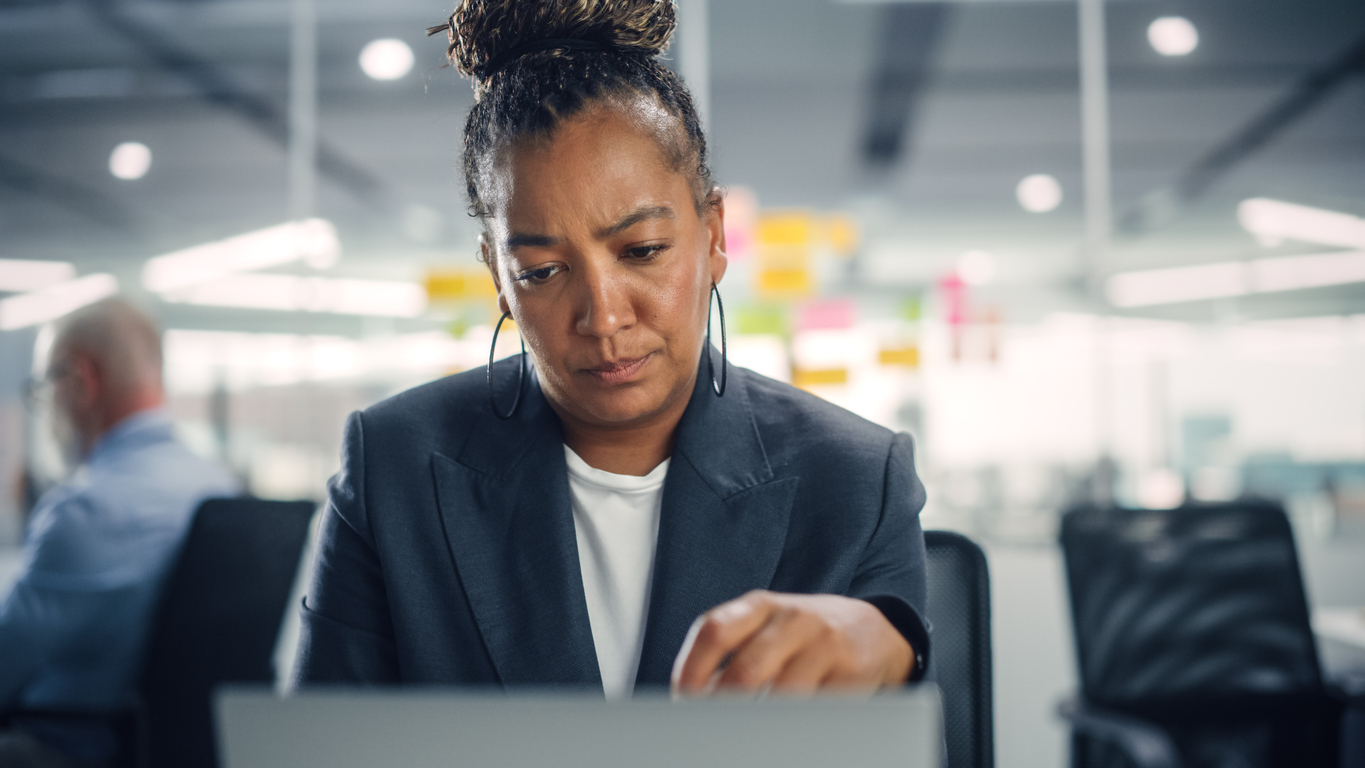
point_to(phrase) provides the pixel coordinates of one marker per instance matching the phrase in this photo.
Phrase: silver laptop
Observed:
(355, 729)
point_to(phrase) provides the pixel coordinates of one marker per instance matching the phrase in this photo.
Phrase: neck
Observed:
(633, 450)
(118, 411)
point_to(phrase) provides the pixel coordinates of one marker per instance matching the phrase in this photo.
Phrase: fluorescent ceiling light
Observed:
(1272, 221)
(1289, 273)
(290, 293)
(52, 302)
(1235, 278)
(1170, 286)
(197, 361)
(313, 241)
(30, 275)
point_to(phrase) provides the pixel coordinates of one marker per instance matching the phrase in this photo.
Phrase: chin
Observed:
(622, 407)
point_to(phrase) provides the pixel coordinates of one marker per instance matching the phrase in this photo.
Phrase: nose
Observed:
(605, 305)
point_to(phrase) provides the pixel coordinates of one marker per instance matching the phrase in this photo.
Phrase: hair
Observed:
(536, 63)
(120, 337)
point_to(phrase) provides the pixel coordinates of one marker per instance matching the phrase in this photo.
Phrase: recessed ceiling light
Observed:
(130, 160)
(1039, 193)
(1173, 36)
(386, 59)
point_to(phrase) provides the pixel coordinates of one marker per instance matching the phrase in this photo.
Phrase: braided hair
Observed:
(536, 63)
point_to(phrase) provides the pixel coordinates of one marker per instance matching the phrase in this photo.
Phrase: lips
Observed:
(619, 371)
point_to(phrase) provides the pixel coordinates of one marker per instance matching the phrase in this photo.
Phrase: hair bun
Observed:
(482, 30)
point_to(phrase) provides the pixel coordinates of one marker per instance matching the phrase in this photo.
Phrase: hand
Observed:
(795, 644)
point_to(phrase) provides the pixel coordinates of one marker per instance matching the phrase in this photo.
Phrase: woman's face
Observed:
(602, 258)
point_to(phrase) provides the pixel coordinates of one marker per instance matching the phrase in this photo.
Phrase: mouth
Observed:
(619, 371)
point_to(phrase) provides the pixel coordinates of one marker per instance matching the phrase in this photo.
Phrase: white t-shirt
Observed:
(616, 520)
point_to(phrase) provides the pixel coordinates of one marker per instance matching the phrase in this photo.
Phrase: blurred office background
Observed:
(1080, 250)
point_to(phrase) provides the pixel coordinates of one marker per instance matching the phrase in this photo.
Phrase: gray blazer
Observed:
(447, 552)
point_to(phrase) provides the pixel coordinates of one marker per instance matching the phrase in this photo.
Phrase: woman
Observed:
(616, 507)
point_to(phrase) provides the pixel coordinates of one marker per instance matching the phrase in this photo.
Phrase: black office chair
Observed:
(1194, 642)
(218, 621)
(959, 608)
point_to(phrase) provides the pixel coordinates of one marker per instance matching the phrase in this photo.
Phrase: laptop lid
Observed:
(421, 729)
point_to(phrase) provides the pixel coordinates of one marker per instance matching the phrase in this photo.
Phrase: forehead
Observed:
(590, 169)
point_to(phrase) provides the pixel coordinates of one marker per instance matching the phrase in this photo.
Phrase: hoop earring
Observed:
(521, 372)
(719, 388)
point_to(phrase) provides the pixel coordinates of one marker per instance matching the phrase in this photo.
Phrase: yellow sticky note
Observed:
(789, 228)
(819, 377)
(903, 356)
(785, 282)
(460, 285)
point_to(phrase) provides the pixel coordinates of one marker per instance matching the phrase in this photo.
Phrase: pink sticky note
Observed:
(835, 313)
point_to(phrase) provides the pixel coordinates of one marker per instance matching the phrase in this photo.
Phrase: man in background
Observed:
(99, 545)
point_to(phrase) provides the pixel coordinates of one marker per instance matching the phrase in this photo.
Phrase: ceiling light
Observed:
(54, 301)
(313, 241)
(130, 160)
(1039, 193)
(1173, 36)
(1272, 221)
(1290, 273)
(976, 267)
(386, 59)
(1171, 286)
(290, 293)
(1235, 278)
(30, 275)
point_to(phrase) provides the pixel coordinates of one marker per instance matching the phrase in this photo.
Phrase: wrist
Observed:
(902, 662)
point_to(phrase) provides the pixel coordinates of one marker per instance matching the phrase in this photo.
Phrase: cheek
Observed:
(681, 296)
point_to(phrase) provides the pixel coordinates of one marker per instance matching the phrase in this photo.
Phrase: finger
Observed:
(758, 661)
(804, 674)
(714, 636)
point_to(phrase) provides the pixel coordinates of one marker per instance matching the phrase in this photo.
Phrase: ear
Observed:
(715, 229)
(87, 380)
(487, 255)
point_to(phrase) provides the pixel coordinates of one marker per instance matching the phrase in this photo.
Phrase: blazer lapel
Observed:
(506, 511)
(723, 522)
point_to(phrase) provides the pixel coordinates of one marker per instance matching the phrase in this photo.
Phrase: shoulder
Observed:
(157, 476)
(796, 426)
(438, 413)
(65, 528)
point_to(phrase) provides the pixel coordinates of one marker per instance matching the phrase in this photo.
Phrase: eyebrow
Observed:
(635, 217)
(519, 239)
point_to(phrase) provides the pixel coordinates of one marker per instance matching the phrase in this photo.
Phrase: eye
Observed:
(645, 252)
(539, 274)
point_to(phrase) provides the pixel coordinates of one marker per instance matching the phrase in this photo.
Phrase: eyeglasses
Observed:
(40, 391)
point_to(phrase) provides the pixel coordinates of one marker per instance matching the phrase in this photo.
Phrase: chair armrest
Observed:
(1145, 744)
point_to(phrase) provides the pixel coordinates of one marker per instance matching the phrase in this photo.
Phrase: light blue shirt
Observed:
(73, 628)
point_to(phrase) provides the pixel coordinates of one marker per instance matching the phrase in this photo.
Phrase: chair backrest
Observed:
(959, 608)
(1191, 604)
(218, 620)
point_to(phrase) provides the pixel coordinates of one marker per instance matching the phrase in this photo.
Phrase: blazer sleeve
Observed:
(346, 634)
(892, 573)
